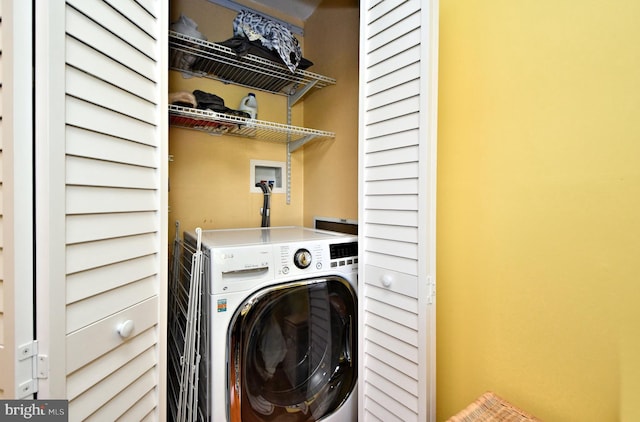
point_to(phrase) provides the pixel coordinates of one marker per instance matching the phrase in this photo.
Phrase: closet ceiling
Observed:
(300, 9)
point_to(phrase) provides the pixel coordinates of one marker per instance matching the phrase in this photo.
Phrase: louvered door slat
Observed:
(81, 257)
(400, 170)
(381, 8)
(88, 200)
(90, 172)
(392, 187)
(150, 6)
(385, 346)
(87, 227)
(394, 313)
(408, 137)
(395, 92)
(401, 248)
(397, 155)
(390, 50)
(404, 233)
(103, 279)
(84, 379)
(394, 110)
(383, 399)
(84, 29)
(93, 62)
(400, 124)
(107, 17)
(92, 117)
(96, 91)
(399, 331)
(85, 143)
(381, 295)
(133, 394)
(393, 391)
(396, 25)
(106, 401)
(375, 412)
(393, 202)
(137, 13)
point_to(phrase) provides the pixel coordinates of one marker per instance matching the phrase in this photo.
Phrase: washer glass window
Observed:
(292, 352)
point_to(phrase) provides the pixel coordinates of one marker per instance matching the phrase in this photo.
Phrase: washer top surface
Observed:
(266, 235)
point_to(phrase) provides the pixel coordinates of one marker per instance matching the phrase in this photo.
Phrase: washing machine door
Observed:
(292, 352)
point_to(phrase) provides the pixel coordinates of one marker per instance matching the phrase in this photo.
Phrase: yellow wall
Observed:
(539, 207)
(331, 166)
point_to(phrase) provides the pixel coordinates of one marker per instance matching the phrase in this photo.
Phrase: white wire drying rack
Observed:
(185, 311)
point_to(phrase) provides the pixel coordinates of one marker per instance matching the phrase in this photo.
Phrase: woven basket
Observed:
(491, 408)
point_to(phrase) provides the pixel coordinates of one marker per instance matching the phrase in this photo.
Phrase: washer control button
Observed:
(302, 258)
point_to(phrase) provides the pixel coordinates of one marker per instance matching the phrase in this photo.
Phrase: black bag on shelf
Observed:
(207, 101)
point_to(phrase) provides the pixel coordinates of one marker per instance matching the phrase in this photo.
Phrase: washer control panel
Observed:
(308, 258)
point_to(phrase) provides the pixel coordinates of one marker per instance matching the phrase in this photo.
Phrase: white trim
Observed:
(50, 193)
(427, 206)
(163, 207)
(17, 195)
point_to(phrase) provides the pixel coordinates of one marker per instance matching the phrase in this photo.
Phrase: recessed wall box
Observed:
(270, 171)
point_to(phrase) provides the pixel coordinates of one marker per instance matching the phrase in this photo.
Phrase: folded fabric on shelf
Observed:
(271, 34)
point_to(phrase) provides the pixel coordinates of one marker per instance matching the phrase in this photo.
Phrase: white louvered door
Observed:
(397, 135)
(102, 193)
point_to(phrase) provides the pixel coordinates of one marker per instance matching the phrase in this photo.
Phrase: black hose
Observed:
(266, 203)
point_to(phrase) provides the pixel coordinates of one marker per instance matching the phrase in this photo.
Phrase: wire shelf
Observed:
(215, 123)
(215, 61)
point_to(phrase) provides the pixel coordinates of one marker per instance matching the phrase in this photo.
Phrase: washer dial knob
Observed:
(302, 258)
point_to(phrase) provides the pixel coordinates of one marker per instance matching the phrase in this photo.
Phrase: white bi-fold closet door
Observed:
(397, 163)
(100, 188)
(103, 181)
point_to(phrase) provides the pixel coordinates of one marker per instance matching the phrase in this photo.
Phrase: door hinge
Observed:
(431, 290)
(39, 368)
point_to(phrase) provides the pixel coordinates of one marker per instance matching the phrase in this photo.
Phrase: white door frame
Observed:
(17, 198)
(50, 193)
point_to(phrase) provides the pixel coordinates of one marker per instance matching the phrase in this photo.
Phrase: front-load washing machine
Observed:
(278, 325)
